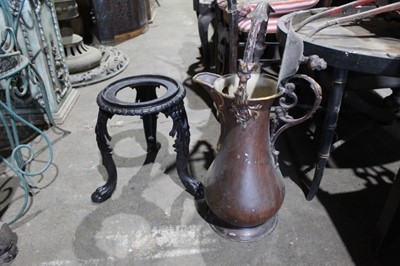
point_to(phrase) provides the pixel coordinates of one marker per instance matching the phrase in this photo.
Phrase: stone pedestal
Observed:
(39, 39)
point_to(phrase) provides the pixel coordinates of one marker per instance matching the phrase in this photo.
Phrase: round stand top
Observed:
(108, 101)
(371, 45)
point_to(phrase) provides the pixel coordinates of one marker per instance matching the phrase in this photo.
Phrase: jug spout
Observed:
(207, 80)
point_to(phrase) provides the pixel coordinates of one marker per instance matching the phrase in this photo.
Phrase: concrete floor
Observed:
(151, 220)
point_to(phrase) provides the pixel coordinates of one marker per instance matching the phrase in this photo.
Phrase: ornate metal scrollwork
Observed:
(18, 78)
(282, 120)
(180, 130)
(243, 111)
(254, 48)
(51, 46)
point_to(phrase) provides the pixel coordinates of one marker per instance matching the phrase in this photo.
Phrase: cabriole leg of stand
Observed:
(103, 138)
(180, 129)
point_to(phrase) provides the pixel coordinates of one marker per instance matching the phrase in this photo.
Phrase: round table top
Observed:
(371, 45)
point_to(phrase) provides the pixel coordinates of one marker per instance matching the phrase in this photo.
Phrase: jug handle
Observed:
(282, 119)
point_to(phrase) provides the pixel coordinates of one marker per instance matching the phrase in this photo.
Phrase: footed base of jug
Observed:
(235, 233)
(247, 234)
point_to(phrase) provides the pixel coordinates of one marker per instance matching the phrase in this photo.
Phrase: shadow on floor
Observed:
(34, 179)
(355, 214)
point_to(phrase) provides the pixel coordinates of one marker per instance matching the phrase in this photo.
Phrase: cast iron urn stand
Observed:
(147, 106)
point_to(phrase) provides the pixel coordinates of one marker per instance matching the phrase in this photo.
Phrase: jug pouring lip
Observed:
(223, 83)
(208, 81)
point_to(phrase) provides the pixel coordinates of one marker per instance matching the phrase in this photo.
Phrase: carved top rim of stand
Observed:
(108, 101)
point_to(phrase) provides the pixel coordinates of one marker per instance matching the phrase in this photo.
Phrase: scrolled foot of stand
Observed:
(103, 193)
(235, 233)
(8, 248)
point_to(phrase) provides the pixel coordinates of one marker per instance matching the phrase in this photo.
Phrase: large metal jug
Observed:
(244, 187)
